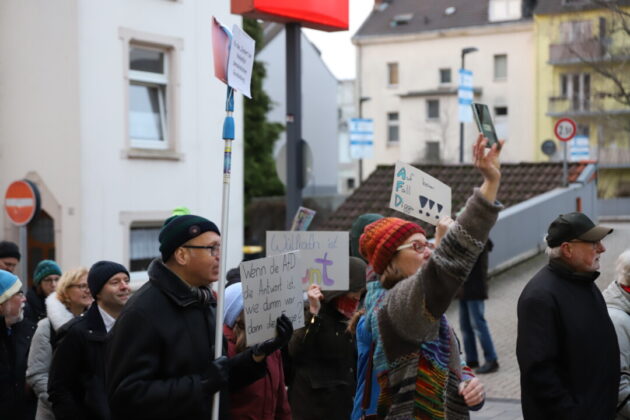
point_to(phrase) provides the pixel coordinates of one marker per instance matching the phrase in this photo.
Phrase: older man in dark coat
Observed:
(566, 346)
(161, 354)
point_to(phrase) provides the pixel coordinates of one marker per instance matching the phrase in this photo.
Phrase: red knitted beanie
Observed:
(380, 239)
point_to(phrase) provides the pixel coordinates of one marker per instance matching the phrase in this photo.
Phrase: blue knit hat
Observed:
(9, 285)
(233, 304)
(44, 269)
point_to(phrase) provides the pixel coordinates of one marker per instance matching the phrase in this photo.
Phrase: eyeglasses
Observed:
(215, 250)
(80, 286)
(417, 246)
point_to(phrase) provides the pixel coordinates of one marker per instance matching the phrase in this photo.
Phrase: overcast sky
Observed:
(337, 49)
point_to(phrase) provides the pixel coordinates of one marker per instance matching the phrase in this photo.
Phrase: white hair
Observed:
(623, 268)
(553, 253)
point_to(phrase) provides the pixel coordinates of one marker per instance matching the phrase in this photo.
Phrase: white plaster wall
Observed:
(113, 183)
(319, 108)
(420, 57)
(39, 109)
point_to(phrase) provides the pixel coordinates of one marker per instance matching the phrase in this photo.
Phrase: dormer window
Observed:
(501, 10)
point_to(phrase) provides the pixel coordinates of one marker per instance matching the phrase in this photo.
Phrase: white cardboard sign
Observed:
(241, 61)
(325, 257)
(271, 287)
(420, 195)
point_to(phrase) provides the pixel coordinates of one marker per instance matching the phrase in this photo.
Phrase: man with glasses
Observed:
(76, 383)
(567, 347)
(161, 352)
(15, 338)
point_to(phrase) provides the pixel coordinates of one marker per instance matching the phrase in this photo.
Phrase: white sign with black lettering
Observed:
(241, 61)
(271, 287)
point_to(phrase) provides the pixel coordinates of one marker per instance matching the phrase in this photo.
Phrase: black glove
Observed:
(284, 330)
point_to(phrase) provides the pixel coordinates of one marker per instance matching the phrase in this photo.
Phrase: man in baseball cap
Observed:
(566, 345)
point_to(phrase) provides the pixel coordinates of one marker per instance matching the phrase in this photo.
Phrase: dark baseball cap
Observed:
(576, 225)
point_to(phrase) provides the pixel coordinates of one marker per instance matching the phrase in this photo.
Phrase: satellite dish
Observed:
(549, 147)
(307, 162)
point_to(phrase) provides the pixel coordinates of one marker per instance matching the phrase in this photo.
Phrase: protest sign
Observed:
(220, 50)
(420, 195)
(271, 287)
(324, 255)
(241, 61)
(303, 218)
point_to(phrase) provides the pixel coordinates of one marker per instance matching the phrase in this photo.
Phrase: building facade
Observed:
(112, 110)
(409, 55)
(582, 57)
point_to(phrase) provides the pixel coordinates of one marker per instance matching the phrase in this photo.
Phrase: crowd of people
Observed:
(80, 345)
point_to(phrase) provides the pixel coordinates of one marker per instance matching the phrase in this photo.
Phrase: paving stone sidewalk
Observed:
(503, 387)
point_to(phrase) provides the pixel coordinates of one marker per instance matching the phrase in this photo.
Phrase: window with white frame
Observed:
(144, 245)
(500, 10)
(433, 109)
(393, 127)
(445, 76)
(148, 87)
(432, 151)
(392, 74)
(577, 88)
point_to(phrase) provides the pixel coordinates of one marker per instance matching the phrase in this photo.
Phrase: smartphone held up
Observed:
(484, 122)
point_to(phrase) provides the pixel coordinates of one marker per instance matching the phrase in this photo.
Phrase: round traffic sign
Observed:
(565, 129)
(21, 202)
(548, 147)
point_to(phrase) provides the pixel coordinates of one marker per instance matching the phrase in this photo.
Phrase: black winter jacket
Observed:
(35, 307)
(160, 355)
(14, 348)
(476, 285)
(76, 382)
(566, 347)
(324, 361)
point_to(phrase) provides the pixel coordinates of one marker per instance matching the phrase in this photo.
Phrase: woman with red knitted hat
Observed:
(416, 354)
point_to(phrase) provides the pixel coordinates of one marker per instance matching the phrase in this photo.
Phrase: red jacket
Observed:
(265, 399)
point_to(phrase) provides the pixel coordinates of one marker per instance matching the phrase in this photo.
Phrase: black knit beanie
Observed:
(9, 250)
(178, 230)
(101, 272)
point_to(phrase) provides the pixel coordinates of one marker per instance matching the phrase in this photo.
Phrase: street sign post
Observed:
(21, 202)
(361, 138)
(565, 129)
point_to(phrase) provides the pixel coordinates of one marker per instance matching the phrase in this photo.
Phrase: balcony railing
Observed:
(590, 50)
(615, 157)
(576, 106)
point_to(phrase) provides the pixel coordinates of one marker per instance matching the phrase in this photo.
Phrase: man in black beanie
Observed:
(9, 256)
(161, 352)
(76, 383)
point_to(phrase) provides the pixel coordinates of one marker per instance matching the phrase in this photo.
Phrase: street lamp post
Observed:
(461, 124)
(361, 100)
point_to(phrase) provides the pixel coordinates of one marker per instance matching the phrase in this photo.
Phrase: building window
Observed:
(432, 151)
(575, 31)
(393, 127)
(148, 81)
(350, 184)
(577, 88)
(152, 94)
(144, 245)
(445, 75)
(500, 111)
(500, 67)
(392, 74)
(500, 10)
(433, 109)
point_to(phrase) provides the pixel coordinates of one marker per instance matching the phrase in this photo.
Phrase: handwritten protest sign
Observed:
(420, 195)
(271, 287)
(325, 256)
(241, 61)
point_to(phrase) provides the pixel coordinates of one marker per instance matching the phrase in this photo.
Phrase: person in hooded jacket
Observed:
(71, 299)
(324, 352)
(617, 298)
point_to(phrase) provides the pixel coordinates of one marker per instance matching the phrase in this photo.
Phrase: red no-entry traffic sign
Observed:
(565, 129)
(21, 202)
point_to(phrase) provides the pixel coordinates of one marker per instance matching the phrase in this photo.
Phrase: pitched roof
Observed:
(519, 182)
(424, 15)
(567, 6)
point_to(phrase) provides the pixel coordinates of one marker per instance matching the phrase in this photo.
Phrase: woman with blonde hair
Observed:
(617, 297)
(71, 298)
